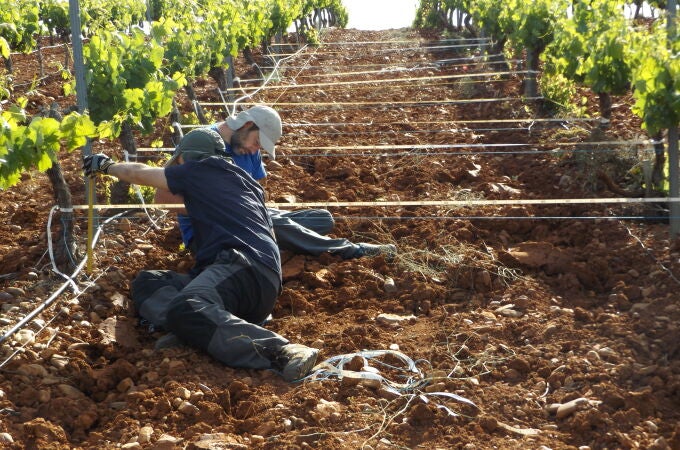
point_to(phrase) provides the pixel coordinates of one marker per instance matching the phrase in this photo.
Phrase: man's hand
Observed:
(98, 163)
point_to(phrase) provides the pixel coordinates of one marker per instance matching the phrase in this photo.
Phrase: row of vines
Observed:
(137, 56)
(136, 59)
(607, 46)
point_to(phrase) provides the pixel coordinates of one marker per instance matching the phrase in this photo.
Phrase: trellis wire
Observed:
(421, 147)
(452, 153)
(234, 104)
(415, 41)
(424, 203)
(398, 132)
(420, 122)
(416, 122)
(482, 59)
(646, 142)
(392, 80)
(382, 105)
(392, 70)
(331, 86)
(437, 48)
(47, 47)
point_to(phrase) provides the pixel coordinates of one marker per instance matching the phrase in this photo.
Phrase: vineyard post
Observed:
(149, 11)
(673, 160)
(81, 100)
(230, 79)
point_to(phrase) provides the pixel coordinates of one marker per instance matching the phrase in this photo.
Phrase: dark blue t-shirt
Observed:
(227, 211)
(252, 164)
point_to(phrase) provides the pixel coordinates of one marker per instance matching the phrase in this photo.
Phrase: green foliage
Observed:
(311, 36)
(426, 15)
(125, 82)
(111, 15)
(105, 182)
(340, 12)
(54, 15)
(656, 79)
(490, 17)
(531, 25)
(593, 47)
(18, 26)
(5, 85)
(34, 144)
(282, 15)
(4, 48)
(561, 91)
(435, 13)
(131, 77)
(186, 49)
(148, 193)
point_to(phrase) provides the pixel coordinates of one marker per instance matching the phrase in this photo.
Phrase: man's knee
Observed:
(149, 281)
(190, 325)
(322, 221)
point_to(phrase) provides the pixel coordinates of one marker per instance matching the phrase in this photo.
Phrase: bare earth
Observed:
(531, 326)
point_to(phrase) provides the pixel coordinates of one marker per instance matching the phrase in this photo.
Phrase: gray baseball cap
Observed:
(198, 144)
(266, 119)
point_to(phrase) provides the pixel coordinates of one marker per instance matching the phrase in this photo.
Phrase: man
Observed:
(237, 276)
(299, 231)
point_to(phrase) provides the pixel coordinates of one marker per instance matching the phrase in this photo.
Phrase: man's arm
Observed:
(137, 173)
(164, 196)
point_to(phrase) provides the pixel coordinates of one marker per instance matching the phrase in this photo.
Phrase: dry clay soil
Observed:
(529, 326)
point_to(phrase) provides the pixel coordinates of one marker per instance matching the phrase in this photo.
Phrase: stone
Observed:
(387, 393)
(188, 409)
(389, 286)
(125, 385)
(59, 361)
(265, 429)
(33, 370)
(370, 383)
(145, 434)
(168, 439)
(567, 409)
(508, 311)
(15, 291)
(24, 336)
(393, 319)
(70, 391)
(124, 225)
(293, 268)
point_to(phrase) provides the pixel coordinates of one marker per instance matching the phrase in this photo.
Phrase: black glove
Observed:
(98, 163)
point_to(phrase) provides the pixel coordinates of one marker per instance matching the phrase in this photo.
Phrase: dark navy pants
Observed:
(303, 232)
(217, 310)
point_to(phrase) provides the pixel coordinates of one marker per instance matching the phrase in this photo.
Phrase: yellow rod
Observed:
(90, 223)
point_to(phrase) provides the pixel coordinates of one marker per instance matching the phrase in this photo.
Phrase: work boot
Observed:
(372, 250)
(296, 361)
